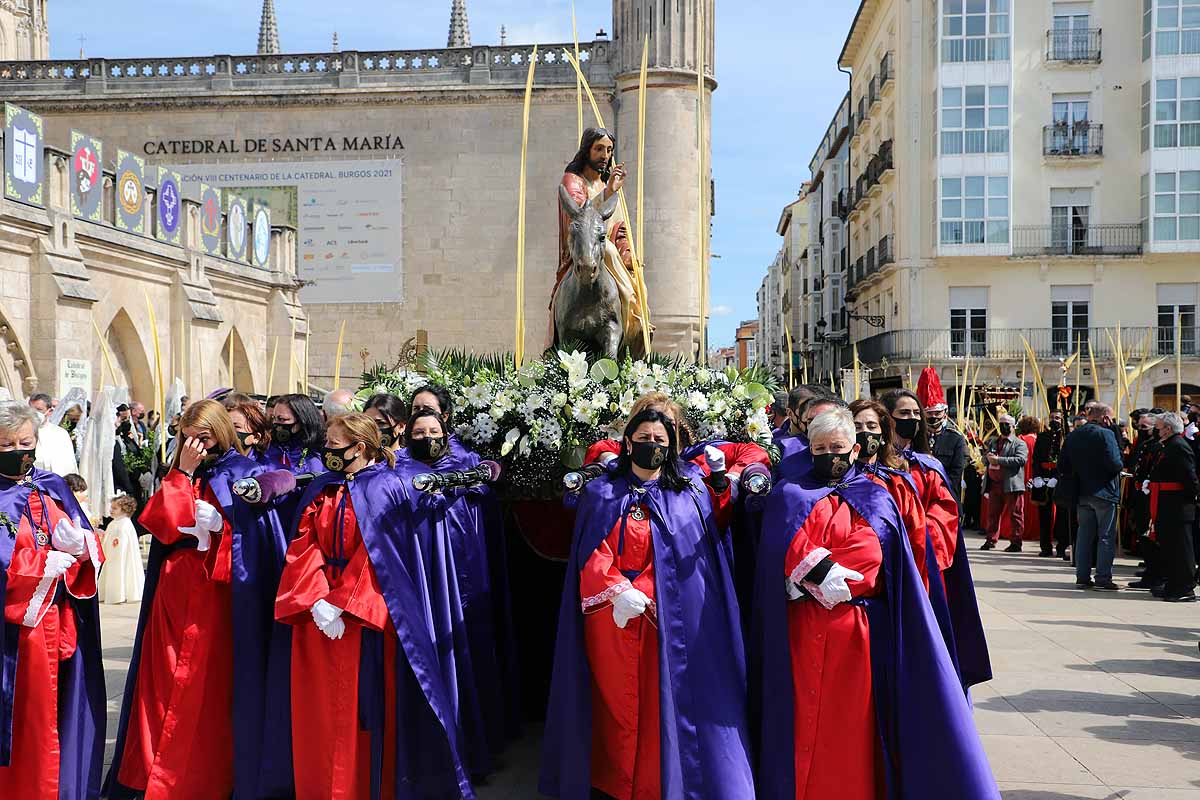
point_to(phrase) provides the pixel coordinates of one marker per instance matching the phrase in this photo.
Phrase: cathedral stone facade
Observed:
(450, 120)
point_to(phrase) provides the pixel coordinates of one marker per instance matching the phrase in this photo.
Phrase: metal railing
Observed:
(873, 90)
(1073, 139)
(922, 345)
(886, 69)
(1075, 45)
(886, 253)
(1077, 240)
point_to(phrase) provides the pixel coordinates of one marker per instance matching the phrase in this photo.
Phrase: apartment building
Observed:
(746, 344)
(1023, 169)
(781, 296)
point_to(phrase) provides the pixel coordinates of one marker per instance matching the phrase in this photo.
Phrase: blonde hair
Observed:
(125, 504)
(212, 418)
(361, 429)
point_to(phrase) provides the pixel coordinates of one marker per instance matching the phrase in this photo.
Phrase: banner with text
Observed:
(349, 233)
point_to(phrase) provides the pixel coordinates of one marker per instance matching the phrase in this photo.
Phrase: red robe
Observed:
(941, 510)
(912, 514)
(179, 744)
(836, 740)
(328, 561)
(624, 662)
(47, 637)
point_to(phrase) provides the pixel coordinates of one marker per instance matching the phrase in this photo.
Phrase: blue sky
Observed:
(778, 84)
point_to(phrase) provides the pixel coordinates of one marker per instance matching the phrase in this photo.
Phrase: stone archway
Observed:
(129, 358)
(16, 371)
(1164, 394)
(243, 373)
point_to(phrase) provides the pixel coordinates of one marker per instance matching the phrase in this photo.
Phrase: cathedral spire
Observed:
(460, 29)
(268, 30)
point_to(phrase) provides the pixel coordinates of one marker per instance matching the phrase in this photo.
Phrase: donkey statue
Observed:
(588, 307)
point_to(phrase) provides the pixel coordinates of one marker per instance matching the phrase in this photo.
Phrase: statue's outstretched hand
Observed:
(616, 180)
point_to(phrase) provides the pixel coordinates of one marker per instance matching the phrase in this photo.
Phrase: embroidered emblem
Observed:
(42, 538)
(638, 513)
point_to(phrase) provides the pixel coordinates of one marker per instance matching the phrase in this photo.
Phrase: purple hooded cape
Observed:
(703, 721)
(962, 623)
(262, 760)
(82, 704)
(929, 742)
(429, 741)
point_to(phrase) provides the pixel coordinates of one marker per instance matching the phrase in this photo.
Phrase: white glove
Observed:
(627, 605)
(57, 563)
(1052, 482)
(1028, 484)
(325, 614)
(69, 537)
(335, 629)
(714, 458)
(1038, 483)
(833, 589)
(203, 537)
(208, 517)
(1190, 431)
(1145, 487)
(793, 589)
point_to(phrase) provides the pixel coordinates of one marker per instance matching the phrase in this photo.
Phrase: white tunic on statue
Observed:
(122, 577)
(55, 450)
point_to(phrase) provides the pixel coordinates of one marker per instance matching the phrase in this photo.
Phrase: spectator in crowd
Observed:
(55, 450)
(779, 409)
(1091, 459)
(1052, 522)
(122, 579)
(1173, 489)
(338, 403)
(973, 475)
(946, 443)
(137, 414)
(1006, 457)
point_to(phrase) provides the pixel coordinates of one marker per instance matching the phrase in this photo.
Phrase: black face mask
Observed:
(173, 429)
(212, 454)
(282, 434)
(429, 449)
(829, 467)
(124, 428)
(1055, 425)
(907, 428)
(869, 443)
(648, 455)
(1194, 416)
(16, 463)
(1005, 429)
(335, 457)
(386, 437)
(242, 437)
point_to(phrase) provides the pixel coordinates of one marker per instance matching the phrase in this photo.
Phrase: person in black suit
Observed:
(1173, 491)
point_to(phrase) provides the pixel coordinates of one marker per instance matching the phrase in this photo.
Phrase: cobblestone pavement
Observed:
(1096, 695)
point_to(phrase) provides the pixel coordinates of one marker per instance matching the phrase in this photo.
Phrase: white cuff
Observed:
(807, 563)
(43, 598)
(605, 596)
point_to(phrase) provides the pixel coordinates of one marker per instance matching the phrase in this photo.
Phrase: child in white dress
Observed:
(123, 575)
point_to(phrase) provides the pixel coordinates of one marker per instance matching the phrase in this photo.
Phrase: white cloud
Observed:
(720, 311)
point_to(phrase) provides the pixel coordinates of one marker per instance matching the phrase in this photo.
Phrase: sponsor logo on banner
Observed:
(262, 236)
(169, 206)
(131, 192)
(86, 176)
(23, 147)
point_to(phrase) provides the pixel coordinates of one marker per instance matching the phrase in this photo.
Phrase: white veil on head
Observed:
(75, 397)
(96, 451)
(173, 403)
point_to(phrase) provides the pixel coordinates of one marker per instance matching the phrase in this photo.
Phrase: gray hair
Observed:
(13, 417)
(833, 421)
(339, 403)
(1172, 421)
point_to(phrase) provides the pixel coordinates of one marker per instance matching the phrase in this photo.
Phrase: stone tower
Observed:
(268, 30)
(671, 186)
(24, 31)
(460, 28)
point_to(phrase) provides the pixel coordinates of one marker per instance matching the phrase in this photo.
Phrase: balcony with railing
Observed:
(1077, 240)
(887, 70)
(1073, 140)
(873, 90)
(886, 252)
(1079, 46)
(1008, 344)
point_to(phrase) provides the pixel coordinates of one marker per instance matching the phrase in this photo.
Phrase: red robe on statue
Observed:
(179, 744)
(912, 514)
(328, 561)
(837, 752)
(47, 637)
(625, 679)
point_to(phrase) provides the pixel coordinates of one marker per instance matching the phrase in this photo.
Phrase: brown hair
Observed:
(125, 504)
(1029, 425)
(212, 418)
(361, 429)
(887, 454)
(75, 482)
(662, 401)
(256, 419)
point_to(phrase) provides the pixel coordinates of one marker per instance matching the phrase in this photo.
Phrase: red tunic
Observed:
(912, 513)
(328, 561)
(941, 509)
(180, 743)
(624, 662)
(836, 740)
(47, 637)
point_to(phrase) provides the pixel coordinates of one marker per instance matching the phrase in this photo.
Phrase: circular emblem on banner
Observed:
(87, 169)
(237, 226)
(129, 192)
(262, 236)
(168, 205)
